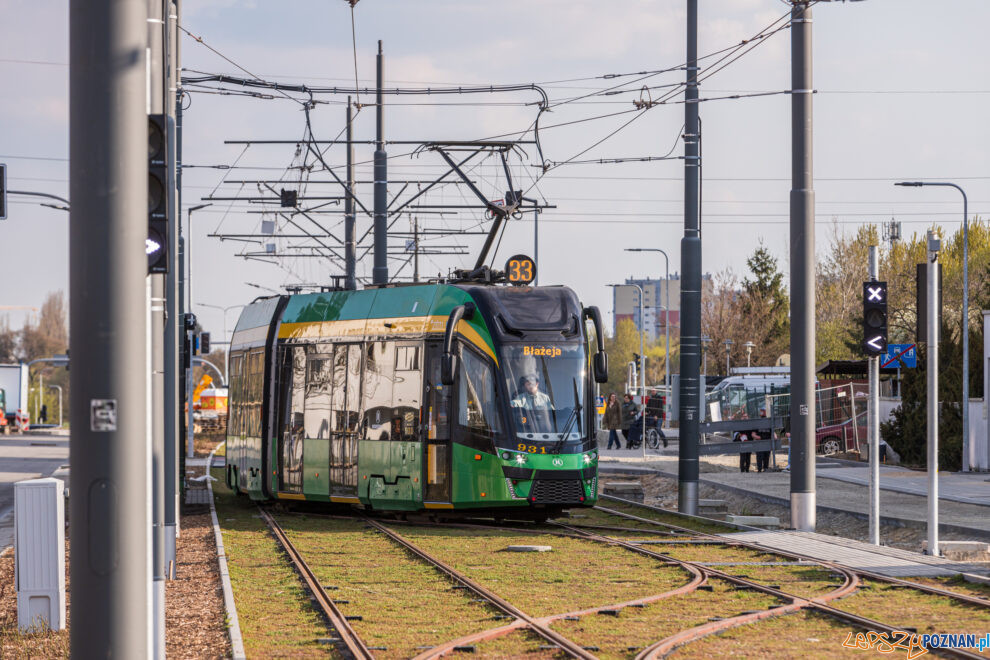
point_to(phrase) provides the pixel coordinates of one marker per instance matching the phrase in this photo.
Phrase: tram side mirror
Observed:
(601, 367)
(448, 367)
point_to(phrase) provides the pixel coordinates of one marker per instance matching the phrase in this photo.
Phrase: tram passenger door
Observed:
(436, 435)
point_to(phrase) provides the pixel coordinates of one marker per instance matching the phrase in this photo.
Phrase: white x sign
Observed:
(875, 293)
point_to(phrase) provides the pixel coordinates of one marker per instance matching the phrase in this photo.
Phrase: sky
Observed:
(903, 90)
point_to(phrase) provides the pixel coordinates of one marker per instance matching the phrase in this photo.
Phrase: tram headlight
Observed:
(587, 458)
(506, 455)
(520, 458)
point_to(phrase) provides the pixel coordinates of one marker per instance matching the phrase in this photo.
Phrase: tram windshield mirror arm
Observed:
(601, 357)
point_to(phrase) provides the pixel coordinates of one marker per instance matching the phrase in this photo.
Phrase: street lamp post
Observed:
(642, 350)
(728, 347)
(666, 318)
(226, 359)
(965, 309)
(749, 351)
(189, 242)
(704, 353)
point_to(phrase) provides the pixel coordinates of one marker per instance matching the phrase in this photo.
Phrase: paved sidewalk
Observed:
(26, 456)
(965, 487)
(856, 554)
(848, 495)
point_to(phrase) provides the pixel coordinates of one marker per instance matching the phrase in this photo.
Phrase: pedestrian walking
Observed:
(762, 457)
(612, 421)
(629, 411)
(743, 436)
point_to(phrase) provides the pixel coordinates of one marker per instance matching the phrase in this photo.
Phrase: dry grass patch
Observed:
(404, 603)
(802, 634)
(576, 574)
(906, 607)
(275, 613)
(520, 644)
(623, 636)
(670, 518)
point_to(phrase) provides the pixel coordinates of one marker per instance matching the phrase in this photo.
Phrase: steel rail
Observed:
(852, 583)
(340, 623)
(879, 577)
(505, 606)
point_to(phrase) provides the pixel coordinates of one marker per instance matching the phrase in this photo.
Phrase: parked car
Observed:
(841, 437)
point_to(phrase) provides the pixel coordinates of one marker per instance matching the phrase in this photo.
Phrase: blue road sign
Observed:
(900, 356)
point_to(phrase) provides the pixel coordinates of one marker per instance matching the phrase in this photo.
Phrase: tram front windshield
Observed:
(546, 385)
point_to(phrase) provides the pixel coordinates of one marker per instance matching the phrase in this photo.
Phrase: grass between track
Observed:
(274, 611)
(906, 607)
(404, 603)
(576, 574)
(802, 634)
(634, 628)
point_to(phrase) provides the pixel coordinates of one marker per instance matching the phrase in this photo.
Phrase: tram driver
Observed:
(534, 405)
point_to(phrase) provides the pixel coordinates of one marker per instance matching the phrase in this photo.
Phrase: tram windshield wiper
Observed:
(573, 417)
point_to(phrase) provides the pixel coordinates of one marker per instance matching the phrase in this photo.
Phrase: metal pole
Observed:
(802, 226)
(536, 242)
(932, 336)
(350, 250)
(873, 421)
(642, 363)
(158, 103)
(965, 317)
(110, 510)
(690, 355)
(415, 249)
(380, 271)
(170, 455)
(190, 429)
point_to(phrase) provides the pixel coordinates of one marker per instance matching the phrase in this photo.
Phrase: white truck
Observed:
(14, 383)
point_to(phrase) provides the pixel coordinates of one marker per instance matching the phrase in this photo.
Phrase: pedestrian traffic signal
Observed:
(874, 318)
(156, 245)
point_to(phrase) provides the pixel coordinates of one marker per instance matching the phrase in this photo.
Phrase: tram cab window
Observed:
(546, 384)
(476, 408)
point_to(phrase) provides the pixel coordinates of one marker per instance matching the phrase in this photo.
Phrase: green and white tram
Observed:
(459, 395)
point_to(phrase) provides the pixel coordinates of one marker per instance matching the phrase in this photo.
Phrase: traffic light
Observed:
(875, 318)
(638, 361)
(156, 245)
(204, 343)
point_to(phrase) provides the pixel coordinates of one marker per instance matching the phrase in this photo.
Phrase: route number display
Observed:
(520, 269)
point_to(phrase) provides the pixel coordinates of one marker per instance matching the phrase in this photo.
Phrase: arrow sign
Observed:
(875, 344)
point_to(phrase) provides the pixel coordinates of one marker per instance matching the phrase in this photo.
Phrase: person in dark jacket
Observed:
(762, 457)
(612, 421)
(629, 410)
(743, 436)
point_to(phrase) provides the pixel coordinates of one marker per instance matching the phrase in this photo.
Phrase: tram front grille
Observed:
(557, 491)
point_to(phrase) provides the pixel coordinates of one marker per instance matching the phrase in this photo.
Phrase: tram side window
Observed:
(379, 376)
(476, 400)
(407, 393)
(319, 369)
(256, 364)
(236, 397)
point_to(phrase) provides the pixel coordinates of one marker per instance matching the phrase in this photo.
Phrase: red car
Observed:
(841, 437)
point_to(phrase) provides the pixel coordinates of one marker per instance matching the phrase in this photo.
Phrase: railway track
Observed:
(348, 637)
(700, 574)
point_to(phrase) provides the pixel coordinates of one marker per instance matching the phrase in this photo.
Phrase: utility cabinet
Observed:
(39, 547)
